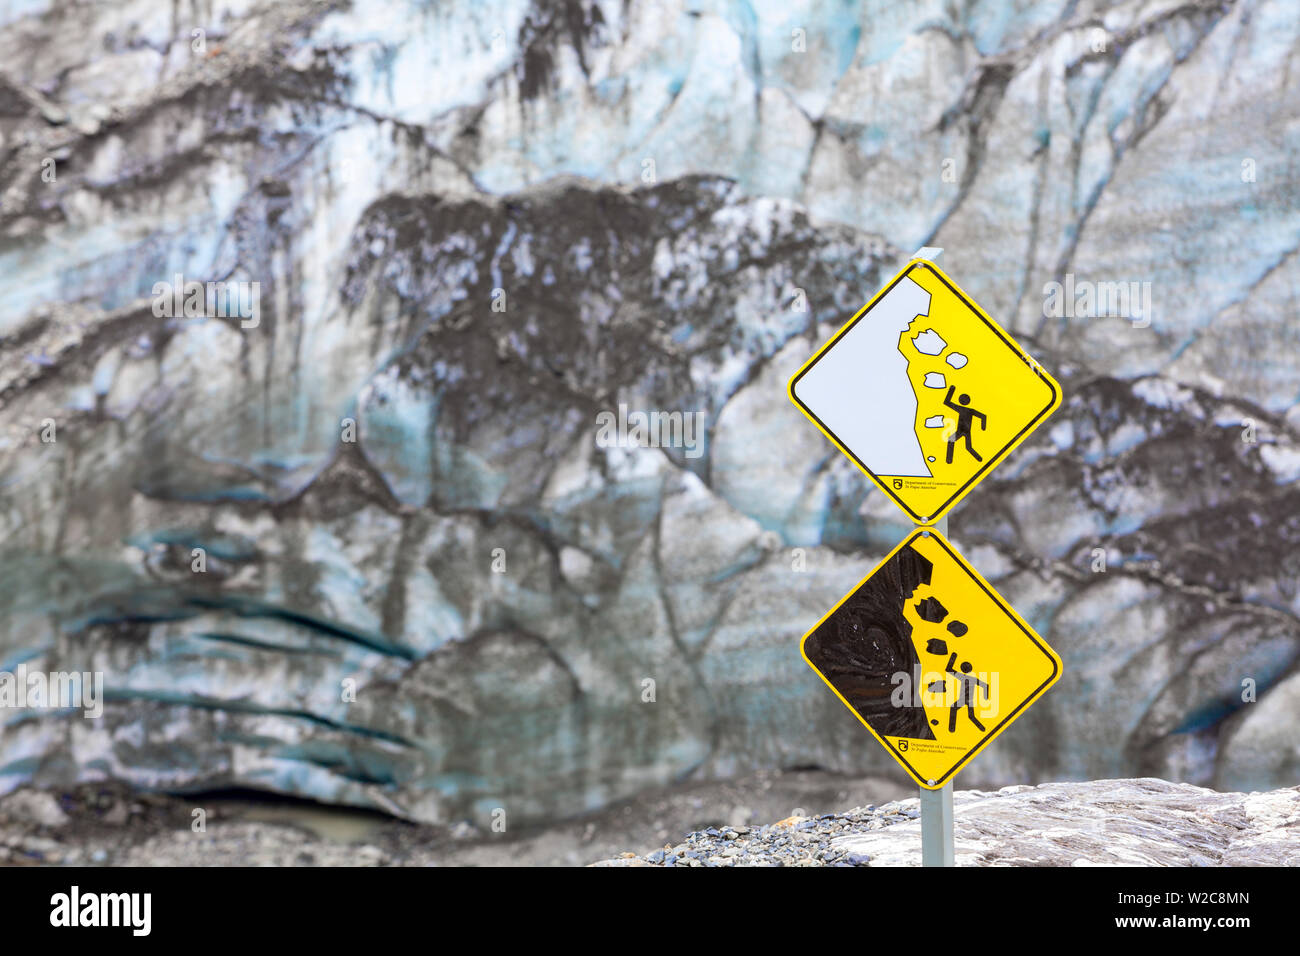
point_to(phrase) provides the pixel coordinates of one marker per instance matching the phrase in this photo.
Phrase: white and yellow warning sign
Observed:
(924, 391)
(930, 658)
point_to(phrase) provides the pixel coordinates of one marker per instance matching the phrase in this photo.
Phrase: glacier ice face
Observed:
(675, 204)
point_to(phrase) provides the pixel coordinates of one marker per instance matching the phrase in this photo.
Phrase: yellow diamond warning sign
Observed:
(924, 391)
(930, 658)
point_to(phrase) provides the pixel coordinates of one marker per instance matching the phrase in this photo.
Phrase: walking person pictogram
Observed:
(966, 693)
(965, 419)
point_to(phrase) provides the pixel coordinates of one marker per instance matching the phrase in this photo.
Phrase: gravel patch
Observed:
(794, 841)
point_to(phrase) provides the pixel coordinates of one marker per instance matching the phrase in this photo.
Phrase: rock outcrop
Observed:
(1143, 822)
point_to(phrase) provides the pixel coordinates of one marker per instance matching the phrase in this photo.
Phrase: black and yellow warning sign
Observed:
(924, 391)
(930, 658)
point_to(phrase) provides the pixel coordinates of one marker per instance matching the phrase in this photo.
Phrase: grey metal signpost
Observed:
(936, 805)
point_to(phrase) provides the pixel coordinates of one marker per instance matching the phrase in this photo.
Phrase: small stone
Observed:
(36, 807)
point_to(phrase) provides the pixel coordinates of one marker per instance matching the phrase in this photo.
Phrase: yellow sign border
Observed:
(992, 460)
(988, 738)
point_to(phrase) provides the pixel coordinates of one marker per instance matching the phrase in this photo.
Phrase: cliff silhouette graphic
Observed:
(868, 639)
